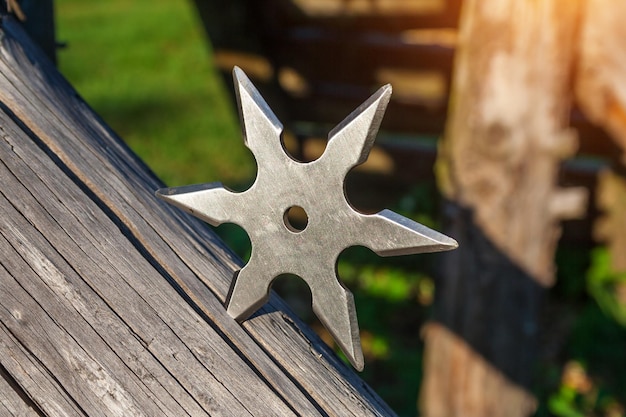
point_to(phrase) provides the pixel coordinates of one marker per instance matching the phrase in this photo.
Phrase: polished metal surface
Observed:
(311, 252)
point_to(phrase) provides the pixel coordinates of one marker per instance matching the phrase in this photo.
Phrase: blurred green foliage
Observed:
(146, 68)
(588, 377)
(608, 288)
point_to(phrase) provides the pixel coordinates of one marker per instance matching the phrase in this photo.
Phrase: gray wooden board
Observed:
(33, 379)
(147, 305)
(111, 241)
(129, 273)
(14, 401)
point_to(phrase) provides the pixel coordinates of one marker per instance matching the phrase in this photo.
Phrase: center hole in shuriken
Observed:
(296, 219)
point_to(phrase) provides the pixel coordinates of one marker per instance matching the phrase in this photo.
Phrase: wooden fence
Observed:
(316, 63)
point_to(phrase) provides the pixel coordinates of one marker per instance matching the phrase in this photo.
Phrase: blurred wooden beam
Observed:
(600, 86)
(505, 138)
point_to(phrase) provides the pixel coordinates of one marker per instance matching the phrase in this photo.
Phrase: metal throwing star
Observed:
(317, 187)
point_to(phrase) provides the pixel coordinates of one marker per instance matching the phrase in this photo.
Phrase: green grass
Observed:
(146, 68)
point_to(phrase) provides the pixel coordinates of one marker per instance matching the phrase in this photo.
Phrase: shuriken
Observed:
(318, 188)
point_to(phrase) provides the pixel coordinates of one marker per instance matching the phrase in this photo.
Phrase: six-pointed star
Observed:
(318, 188)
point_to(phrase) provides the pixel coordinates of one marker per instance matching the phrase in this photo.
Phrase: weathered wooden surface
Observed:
(600, 81)
(14, 401)
(600, 87)
(506, 136)
(112, 302)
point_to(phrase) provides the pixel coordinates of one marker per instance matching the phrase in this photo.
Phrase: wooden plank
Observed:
(33, 379)
(311, 52)
(156, 328)
(94, 387)
(14, 401)
(175, 246)
(384, 17)
(99, 332)
(290, 391)
(328, 106)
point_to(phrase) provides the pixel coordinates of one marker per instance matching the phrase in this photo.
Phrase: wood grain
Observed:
(506, 135)
(116, 300)
(14, 401)
(600, 87)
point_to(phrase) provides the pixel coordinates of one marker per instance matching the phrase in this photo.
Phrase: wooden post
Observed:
(498, 166)
(601, 80)
(601, 94)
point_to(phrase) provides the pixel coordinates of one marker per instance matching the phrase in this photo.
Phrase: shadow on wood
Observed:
(112, 302)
